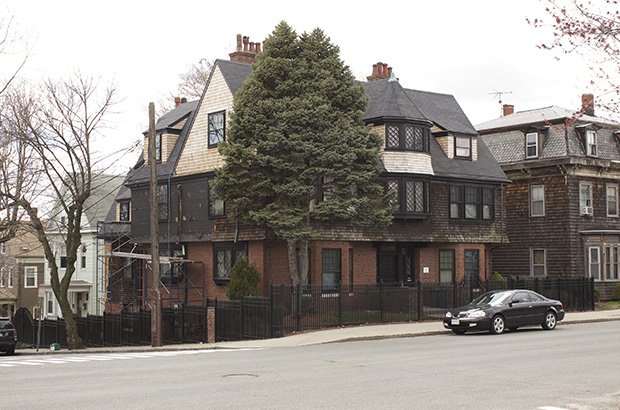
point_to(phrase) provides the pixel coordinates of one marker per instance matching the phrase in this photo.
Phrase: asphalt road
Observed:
(572, 367)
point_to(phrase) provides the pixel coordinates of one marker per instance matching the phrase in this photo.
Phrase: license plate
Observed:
(455, 322)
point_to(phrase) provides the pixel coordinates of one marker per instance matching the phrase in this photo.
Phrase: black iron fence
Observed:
(290, 309)
(183, 325)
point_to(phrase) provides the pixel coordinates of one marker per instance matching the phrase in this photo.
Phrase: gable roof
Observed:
(175, 115)
(234, 73)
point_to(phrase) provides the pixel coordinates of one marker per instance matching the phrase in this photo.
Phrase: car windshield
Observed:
(491, 298)
(6, 325)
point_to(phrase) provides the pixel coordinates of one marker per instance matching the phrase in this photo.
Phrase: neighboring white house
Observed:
(85, 284)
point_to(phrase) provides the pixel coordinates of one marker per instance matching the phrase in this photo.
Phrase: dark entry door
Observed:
(395, 263)
(472, 267)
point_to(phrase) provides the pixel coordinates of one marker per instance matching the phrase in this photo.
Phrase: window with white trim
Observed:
(612, 199)
(531, 145)
(49, 297)
(10, 278)
(30, 277)
(537, 200)
(3, 248)
(594, 262)
(591, 144)
(611, 262)
(585, 198)
(538, 262)
(462, 147)
(2, 273)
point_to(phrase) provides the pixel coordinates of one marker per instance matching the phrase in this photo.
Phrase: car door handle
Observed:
(530, 306)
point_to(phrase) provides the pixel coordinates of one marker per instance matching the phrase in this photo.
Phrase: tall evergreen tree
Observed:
(298, 152)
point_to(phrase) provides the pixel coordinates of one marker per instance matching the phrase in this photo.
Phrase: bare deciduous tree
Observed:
(191, 85)
(591, 29)
(8, 39)
(50, 136)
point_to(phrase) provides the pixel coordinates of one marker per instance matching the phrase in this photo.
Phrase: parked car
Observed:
(8, 336)
(499, 310)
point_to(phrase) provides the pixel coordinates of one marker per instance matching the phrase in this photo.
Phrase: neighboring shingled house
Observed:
(21, 272)
(87, 285)
(562, 212)
(448, 214)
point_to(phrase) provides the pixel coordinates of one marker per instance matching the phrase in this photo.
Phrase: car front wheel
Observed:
(551, 321)
(497, 325)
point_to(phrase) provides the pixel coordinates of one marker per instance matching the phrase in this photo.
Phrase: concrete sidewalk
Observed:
(369, 332)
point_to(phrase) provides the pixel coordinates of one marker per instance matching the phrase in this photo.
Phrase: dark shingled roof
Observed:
(388, 99)
(443, 110)
(234, 73)
(485, 168)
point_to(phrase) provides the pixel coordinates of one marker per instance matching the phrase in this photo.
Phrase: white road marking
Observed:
(79, 358)
(551, 408)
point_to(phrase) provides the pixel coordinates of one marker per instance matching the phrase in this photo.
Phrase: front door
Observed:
(472, 267)
(395, 263)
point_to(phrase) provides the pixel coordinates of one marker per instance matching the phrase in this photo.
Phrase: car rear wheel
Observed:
(497, 325)
(551, 321)
(458, 331)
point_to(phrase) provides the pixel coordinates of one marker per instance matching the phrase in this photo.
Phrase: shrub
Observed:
(244, 280)
(500, 281)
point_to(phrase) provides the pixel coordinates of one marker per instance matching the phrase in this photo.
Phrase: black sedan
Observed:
(499, 310)
(8, 336)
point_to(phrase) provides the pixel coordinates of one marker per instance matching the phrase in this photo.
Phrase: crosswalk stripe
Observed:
(109, 357)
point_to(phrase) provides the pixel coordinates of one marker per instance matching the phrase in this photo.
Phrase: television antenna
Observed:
(499, 95)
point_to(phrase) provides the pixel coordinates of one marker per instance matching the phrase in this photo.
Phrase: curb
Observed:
(215, 346)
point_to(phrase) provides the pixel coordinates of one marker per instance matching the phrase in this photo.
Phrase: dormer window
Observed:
(407, 137)
(531, 145)
(123, 211)
(462, 147)
(216, 128)
(591, 144)
(158, 147)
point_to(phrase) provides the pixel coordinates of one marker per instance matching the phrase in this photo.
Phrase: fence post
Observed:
(454, 290)
(297, 305)
(420, 301)
(241, 321)
(271, 311)
(381, 299)
(340, 304)
(591, 291)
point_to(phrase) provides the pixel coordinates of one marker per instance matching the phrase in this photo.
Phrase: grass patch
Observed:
(608, 305)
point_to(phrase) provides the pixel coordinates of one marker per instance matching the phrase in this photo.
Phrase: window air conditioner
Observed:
(586, 210)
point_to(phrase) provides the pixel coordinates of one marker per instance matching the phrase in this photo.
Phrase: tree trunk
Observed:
(74, 341)
(292, 261)
(303, 262)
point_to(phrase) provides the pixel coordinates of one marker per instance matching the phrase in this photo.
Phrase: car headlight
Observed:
(477, 313)
(448, 314)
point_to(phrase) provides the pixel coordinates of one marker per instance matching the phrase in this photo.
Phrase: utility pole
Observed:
(155, 296)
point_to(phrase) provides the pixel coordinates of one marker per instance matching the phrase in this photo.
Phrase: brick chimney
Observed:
(246, 51)
(587, 104)
(380, 71)
(507, 109)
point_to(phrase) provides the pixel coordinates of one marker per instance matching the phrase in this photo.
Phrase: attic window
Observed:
(216, 128)
(531, 145)
(123, 214)
(591, 144)
(462, 147)
(158, 147)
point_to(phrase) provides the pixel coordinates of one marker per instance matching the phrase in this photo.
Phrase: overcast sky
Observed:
(470, 49)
